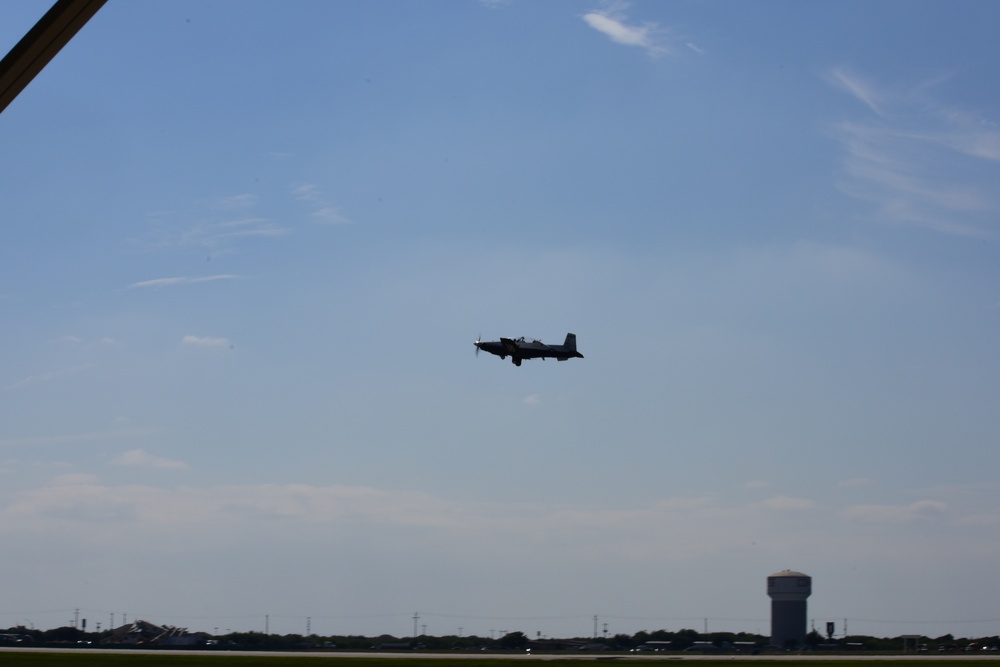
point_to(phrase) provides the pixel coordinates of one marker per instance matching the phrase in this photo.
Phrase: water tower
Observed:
(788, 590)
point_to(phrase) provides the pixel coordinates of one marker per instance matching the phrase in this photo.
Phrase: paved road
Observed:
(512, 655)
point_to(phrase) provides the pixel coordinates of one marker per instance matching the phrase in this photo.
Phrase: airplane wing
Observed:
(510, 346)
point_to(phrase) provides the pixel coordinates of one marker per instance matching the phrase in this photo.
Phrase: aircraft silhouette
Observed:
(519, 349)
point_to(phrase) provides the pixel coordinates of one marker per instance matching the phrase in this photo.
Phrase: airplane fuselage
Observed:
(519, 349)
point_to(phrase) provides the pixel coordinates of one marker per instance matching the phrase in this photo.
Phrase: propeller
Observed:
(478, 340)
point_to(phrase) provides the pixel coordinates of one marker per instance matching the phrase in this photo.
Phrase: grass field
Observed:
(184, 659)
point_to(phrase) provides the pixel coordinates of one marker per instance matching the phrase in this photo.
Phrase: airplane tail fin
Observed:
(570, 344)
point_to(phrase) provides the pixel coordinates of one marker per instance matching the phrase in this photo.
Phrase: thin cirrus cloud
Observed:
(138, 458)
(857, 87)
(216, 233)
(856, 482)
(206, 341)
(239, 202)
(321, 208)
(786, 503)
(183, 280)
(46, 377)
(74, 438)
(231, 219)
(915, 511)
(613, 24)
(917, 160)
(310, 505)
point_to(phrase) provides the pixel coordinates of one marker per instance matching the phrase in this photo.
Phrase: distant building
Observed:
(788, 591)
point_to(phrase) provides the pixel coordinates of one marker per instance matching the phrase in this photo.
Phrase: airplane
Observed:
(521, 348)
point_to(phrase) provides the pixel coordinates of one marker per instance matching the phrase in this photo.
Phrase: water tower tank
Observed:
(788, 590)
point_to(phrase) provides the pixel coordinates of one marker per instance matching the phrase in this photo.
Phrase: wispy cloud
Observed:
(138, 458)
(237, 202)
(183, 280)
(72, 438)
(917, 160)
(613, 23)
(856, 482)
(322, 209)
(169, 229)
(206, 341)
(76, 340)
(46, 377)
(83, 502)
(781, 503)
(132, 517)
(216, 233)
(642, 533)
(857, 87)
(921, 509)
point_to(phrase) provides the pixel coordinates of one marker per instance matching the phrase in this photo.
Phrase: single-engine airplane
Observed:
(519, 349)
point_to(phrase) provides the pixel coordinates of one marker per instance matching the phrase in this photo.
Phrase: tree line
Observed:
(679, 640)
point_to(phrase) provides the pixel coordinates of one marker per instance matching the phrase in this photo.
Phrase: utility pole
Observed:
(595, 626)
(267, 624)
(416, 618)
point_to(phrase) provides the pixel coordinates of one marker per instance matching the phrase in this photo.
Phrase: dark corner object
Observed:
(41, 44)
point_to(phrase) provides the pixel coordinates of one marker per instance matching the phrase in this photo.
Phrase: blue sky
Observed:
(248, 247)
